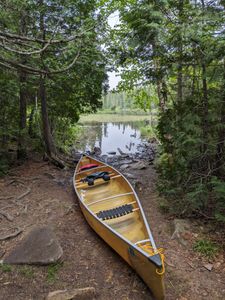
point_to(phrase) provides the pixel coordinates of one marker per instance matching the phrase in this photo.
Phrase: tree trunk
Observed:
(47, 136)
(160, 82)
(21, 151)
(21, 148)
(205, 104)
(48, 139)
(180, 55)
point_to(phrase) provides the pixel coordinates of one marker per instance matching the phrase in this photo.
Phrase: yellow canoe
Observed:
(113, 210)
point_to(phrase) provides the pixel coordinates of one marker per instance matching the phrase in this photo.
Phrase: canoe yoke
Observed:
(92, 177)
(115, 212)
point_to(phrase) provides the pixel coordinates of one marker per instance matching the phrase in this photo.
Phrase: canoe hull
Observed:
(140, 263)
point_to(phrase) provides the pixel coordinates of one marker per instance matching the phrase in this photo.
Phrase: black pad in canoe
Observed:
(115, 212)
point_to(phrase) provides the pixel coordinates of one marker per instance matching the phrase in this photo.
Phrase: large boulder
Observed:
(38, 247)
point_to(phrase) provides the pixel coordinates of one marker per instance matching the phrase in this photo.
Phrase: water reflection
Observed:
(111, 136)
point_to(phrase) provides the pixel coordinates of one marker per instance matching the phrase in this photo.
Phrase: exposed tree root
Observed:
(24, 194)
(6, 215)
(11, 235)
(6, 198)
(61, 161)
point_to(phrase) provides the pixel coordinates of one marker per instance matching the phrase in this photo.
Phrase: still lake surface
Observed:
(109, 136)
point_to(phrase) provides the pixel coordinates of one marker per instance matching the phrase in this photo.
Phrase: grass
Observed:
(206, 248)
(52, 272)
(116, 118)
(26, 271)
(5, 268)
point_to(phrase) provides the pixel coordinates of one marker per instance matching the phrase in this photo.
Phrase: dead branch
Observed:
(24, 194)
(11, 235)
(6, 215)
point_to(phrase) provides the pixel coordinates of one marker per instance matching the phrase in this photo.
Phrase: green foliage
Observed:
(4, 164)
(5, 268)
(65, 134)
(78, 89)
(27, 272)
(175, 47)
(52, 272)
(206, 248)
(148, 132)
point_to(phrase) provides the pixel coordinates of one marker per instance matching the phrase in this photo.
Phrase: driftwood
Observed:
(11, 235)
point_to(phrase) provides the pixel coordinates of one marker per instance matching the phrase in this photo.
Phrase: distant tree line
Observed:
(143, 98)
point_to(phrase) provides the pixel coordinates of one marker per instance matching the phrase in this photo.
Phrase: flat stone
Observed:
(123, 167)
(126, 161)
(85, 293)
(39, 247)
(139, 165)
(130, 176)
(208, 267)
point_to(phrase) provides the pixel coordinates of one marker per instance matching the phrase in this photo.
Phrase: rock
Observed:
(181, 231)
(97, 151)
(139, 165)
(208, 267)
(85, 293)
(112, 152)
(130, 176)
(38, 247)
(126, 161)
(123, 167)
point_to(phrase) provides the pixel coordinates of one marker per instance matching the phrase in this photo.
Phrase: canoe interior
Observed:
(104, 196)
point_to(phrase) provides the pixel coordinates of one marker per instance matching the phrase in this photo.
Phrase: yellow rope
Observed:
(159, 251)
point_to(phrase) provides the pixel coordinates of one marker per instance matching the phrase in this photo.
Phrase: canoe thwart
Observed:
(111, 197)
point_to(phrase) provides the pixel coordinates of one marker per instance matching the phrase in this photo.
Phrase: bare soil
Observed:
(38, 193)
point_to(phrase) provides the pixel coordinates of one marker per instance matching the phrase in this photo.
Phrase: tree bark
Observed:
(180, 55)
(205, 104)
(160, 81)
(47, 136)
(21, 149)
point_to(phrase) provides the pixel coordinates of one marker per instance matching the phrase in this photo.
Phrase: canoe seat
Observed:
(115, 212)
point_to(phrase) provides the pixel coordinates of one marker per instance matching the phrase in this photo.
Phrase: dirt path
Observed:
(87, 260)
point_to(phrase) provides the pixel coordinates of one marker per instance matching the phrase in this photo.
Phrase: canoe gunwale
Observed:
(133, 245)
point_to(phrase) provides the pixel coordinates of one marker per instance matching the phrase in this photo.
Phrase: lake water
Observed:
(110, 136)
